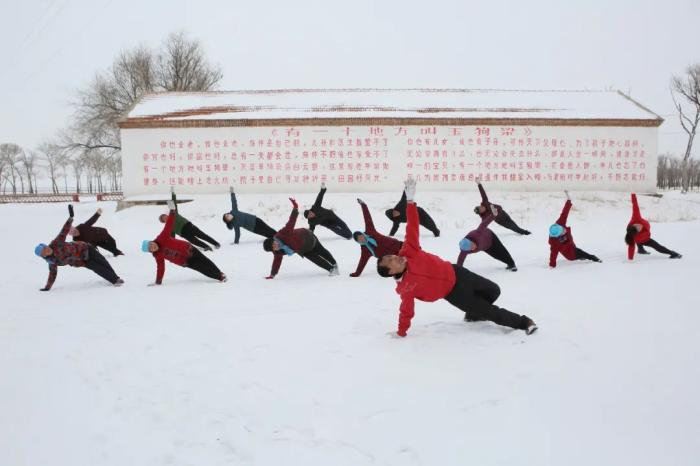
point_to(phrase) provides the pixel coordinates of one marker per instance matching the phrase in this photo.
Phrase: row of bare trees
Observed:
(85, 171)
(670, 173)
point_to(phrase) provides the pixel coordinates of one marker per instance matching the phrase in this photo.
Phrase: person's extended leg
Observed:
(427, 221)
(203, 265)
(583, 255)
(263, 229)
(339, 228)
(321, 257)
(98, 264)
(506, 221)
(201, 235)
(477, 305)
(659, 248)
(499, 252)
(110, 245)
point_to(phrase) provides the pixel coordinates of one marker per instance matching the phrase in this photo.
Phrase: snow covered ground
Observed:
(300, 370)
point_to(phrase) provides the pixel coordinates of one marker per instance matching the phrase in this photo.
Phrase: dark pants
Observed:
(194, 235)
(505, 221)
(320, 256)
(499, 252)
(656, 246)
(475, 295)
(203, 265)
(263, 229)
(98, 264)
(110, 245)
(583, 255)
(338, 227)
(427, 221)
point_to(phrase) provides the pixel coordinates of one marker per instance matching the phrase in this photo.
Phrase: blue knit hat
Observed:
(465, 244)
(556, 230)
(39, 247)
(144, 245)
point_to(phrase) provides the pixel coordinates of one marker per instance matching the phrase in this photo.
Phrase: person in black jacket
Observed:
(397, 215)
(97, 236)
(483, 210)
(318, 215)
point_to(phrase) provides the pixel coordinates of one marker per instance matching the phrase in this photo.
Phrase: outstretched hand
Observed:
(323, 185)
(70, 211)
(360, 201)
(494, 210)
(231, 190)
(171, 205)
(478, 179)
(294, 202)
(567, 194)
(99, 211)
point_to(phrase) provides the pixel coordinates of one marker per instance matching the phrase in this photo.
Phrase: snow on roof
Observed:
(454, 104)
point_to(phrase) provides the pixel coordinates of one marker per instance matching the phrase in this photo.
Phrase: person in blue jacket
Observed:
(235, 220)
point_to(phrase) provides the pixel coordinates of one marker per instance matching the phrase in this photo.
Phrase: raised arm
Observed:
(411, 244)
(292, 217)
(485, 223)
(53, 271)
(636, 214)
(564, 213)
(401, 205)
(369, 224)
(168, 228)
(482, 191)
(91, 221)
(234, 203)
(61, 238)
(406, 313)
(319, 196)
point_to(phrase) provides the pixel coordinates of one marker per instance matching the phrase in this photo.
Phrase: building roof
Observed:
(387, 106)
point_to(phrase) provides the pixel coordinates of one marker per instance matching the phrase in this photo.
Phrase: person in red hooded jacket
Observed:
(289, 241)
(179, 252)
(372, 243)
(639, 234)
(562, 242)
(427, 277)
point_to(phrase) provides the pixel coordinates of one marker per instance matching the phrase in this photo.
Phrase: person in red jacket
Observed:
(76, 254)
(561, 240)
(427, 277)
(97, 236)
(639, 233)
(289, 241)
(483, 210)
(483, 239)
(179, 252)
(372, 243)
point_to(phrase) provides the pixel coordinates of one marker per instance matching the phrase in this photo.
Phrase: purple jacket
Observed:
(482, 237)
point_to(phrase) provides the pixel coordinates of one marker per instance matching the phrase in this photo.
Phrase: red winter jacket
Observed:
(300, 240)
(65, 253)
(563, 244)
(427, 277)
(644, 234)
(174, 250)
(386, 245)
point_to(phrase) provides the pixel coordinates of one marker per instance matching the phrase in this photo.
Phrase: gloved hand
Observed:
(360, 201)
(171, 205)
(294, 202)
(70, 211)
(323, 185)
(99, 211)
(410, 189)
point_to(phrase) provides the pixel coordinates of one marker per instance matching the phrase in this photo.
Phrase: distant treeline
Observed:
(669, 172)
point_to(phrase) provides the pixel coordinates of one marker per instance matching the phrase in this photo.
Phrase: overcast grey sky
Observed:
(49, 48)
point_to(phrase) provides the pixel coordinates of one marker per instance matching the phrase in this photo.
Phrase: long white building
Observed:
(371, 139)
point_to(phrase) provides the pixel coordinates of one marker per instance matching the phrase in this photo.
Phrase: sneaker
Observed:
(206, 248)
(119, 282)
(595, 259)
(436, 233)
(217, 246)
(512, 268)
(642, 251)
(675, 255)
(223, 278)
(526, 232)
(530, 327)
(334, 271)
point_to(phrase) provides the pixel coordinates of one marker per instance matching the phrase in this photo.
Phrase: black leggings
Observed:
(321, 257)
(499, 252)
(583, 255)
(656, 246)
(98, 264)
(263, 229)
(505, 221)
(475, 295)
(427, 221)
(338, 227)
(194, 235)
(203, 265)
(110, 245)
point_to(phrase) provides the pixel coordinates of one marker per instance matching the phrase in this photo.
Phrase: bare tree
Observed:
(55, 158)
(688, 87)
(11, 154)
(27, 160)
(179, 65)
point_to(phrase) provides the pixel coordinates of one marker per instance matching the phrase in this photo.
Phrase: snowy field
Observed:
(301, 370)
